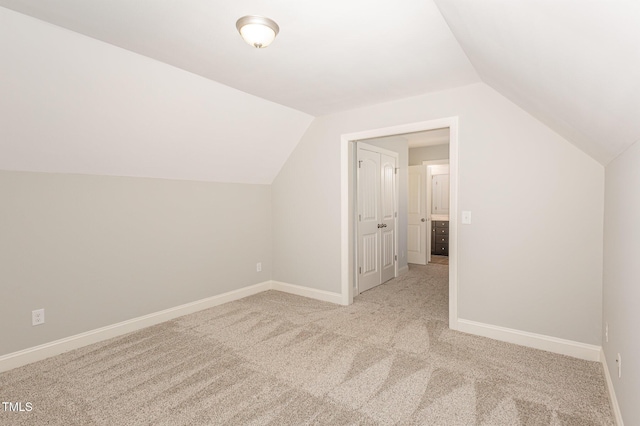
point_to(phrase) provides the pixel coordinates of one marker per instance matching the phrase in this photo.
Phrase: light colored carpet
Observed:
(439, 260)
(279, 359)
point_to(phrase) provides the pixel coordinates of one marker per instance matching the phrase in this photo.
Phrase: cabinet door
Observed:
(440, 203)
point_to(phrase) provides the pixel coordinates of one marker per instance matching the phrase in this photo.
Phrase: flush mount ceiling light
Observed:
(258, 31)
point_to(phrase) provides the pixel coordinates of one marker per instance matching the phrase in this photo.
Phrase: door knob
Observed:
(423, 220)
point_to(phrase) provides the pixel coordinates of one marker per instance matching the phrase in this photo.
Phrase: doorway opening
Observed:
(428, 197)
(349, 206)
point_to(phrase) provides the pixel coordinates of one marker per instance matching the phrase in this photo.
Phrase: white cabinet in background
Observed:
(440, 200)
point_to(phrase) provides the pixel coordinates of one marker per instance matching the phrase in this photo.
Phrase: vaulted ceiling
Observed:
(573, 64)
(330, 55)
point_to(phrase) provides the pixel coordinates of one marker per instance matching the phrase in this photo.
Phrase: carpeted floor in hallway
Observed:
(279, 359)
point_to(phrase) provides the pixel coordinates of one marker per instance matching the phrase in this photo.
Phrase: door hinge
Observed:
(360, 269)
(359, 163)
(360, 217)
(395, 257)
(395, 170)
(396, 214)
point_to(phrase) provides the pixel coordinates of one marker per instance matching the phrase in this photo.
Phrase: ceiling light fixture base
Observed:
(257, 31)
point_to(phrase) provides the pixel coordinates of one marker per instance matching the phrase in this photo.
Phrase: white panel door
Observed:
(387, 215)
(418, 218)
(376, 218)
(368, 219)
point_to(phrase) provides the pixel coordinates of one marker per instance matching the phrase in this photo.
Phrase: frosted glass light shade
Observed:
(257, 31)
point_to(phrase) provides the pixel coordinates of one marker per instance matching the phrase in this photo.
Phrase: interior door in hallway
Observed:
(418, 217)
(376, 218)
(388, 216)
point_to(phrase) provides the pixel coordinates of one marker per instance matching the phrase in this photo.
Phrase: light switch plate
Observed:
(466, 217)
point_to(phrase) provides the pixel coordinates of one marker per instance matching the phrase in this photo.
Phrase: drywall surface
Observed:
(621, 277)
(96, 250)
(72, 104)
(532, 258)
(573, 65)
(401, 146)
(426, 153)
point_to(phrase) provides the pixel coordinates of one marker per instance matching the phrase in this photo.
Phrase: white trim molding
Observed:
(311, 293)
(612, 392)
(532, 340)
(40, 352)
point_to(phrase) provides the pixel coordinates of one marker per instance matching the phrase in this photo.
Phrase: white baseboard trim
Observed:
(312, 293)
(612, 392)
(403, 270)
(532, 340)
(40, 352)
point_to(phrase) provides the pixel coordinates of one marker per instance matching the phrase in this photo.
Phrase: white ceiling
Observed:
(330, 55)
(573, 64)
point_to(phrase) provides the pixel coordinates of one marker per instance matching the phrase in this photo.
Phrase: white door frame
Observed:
(347, 205)
(396, 188)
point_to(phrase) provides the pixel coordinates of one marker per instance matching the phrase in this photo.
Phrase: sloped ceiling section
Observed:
(72, 104)
(573, 64)
(330, 55)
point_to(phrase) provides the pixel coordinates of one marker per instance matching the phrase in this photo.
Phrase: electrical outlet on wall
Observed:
(606, 332)
(619, 362)
(37, 317)
(259, 267)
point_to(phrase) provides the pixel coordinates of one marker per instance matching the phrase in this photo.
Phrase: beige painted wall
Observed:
(621, 277)
(532, 258)
(73, 104)
(426, 153)
(96, 250)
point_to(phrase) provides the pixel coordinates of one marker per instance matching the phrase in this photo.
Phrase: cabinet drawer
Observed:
(442, 239)
(442, 249)
(442, 224)
(442, 231)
